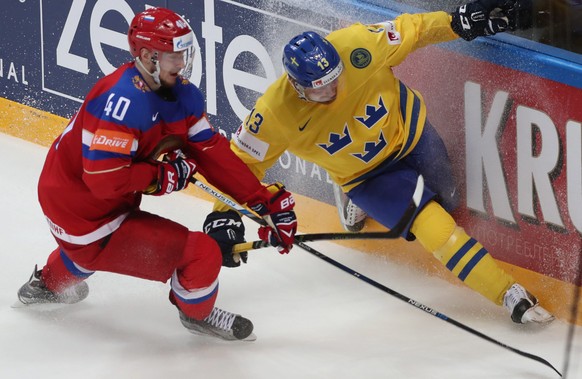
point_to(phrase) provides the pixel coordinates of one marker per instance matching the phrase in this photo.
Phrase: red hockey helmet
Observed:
(162, 30)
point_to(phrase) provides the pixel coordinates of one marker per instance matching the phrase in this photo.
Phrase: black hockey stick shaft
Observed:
(372, 282)
(422, 306)
(314, 237)
(393, 233)
(396, 231)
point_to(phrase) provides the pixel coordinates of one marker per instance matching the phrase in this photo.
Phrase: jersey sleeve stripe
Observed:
(200, 131)
(412, 112)
(100, 154)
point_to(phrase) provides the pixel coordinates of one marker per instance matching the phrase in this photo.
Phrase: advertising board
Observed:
(513, 132)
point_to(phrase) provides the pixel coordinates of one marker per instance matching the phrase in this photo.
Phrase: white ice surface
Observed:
(312, 319)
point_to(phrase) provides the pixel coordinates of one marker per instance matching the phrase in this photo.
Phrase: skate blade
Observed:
(17, 304)
(250, 338)
(44, 306)
(537, 315)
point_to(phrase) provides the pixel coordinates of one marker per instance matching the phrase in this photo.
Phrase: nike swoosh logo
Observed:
(304, 125)
(155, 117)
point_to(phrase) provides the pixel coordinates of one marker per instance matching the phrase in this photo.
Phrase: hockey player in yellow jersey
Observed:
(340, 106)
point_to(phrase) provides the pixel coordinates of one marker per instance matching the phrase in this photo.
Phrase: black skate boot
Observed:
(35, 292)
(222, 324)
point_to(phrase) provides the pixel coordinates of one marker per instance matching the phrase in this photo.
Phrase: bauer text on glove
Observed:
(172, 176)
(276, 205)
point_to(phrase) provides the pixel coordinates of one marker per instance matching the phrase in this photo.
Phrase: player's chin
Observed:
(170, 80)
(327, 101)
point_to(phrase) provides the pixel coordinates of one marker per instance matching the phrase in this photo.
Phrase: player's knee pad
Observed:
(433, 226)
(201, 261)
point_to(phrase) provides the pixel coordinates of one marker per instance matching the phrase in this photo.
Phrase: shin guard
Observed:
(195, 282)
(464, 256)
(61, 272)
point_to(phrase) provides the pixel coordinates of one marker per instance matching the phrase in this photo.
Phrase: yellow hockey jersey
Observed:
(374, 117)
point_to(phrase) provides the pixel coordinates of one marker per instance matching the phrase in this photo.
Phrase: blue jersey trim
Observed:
(197, 300)
(202, 136)
(99, 155)
(414, 116)
(72, 268)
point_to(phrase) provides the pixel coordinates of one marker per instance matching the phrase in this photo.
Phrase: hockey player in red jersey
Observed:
(95, 174)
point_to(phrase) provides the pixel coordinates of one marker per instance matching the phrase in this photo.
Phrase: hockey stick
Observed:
(372, 282)
(313, 237)
(393, 233)
(172, 142)
(423, 307)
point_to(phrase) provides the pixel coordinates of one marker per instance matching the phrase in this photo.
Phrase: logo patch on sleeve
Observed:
(360, 58)
(112, 141)
(392, 34)
(250, 144)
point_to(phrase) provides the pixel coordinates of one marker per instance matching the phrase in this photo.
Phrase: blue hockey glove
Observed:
(227, 229)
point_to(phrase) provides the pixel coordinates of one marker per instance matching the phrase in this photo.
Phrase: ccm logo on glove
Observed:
(221, 223)
(227, 229)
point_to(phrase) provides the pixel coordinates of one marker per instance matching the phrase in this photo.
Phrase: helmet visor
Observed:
(184, 45)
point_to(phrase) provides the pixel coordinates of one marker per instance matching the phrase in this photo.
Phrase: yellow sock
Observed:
(464, 256)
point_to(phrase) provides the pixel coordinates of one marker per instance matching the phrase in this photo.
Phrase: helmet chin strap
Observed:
(156, 74)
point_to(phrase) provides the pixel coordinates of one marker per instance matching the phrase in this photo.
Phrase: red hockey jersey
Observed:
(95, 172)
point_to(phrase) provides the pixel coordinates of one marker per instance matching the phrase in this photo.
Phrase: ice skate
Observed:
(221, 324)
(351, 216)
(35, 292)
(524, 307)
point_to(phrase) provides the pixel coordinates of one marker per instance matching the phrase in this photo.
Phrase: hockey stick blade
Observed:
(423, 307)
